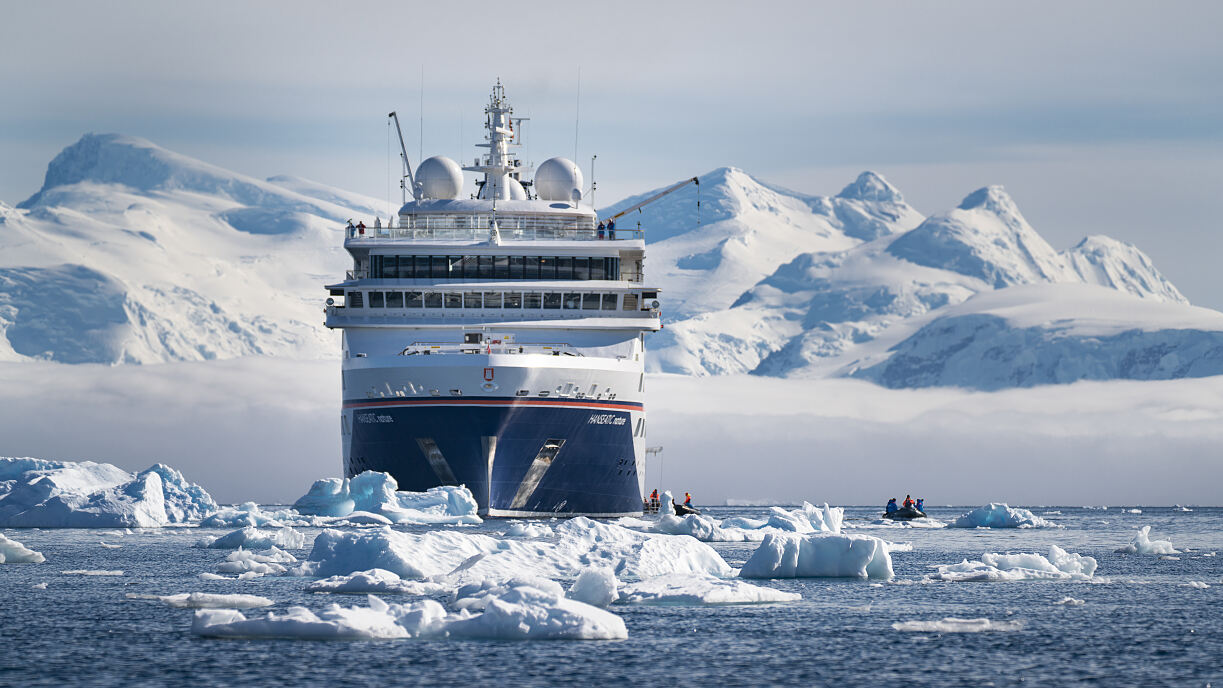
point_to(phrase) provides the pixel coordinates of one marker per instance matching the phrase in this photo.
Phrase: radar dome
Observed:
(557, 178)
(517, 193)
(438, 177)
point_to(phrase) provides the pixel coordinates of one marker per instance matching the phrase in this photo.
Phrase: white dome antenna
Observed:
(559, 179)
(438, 178)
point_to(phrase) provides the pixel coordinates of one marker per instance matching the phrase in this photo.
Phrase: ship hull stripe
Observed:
(493, 401)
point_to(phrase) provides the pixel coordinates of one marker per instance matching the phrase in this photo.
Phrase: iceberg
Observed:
(951, 624)
(248, 514)
(64, 494)
(477, 595)
(13, 552)
(522, 612)
(464, 557)
(805, 519)
(268, 562)
(595, 586)
(1059, 565)
(996, 515)
(676, 589)
(204, 600)
(253, 538)
(377, 493)
(819, 555)
(1143, 544)
(374, 581)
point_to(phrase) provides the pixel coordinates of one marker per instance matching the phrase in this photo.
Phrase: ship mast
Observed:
(499, 166)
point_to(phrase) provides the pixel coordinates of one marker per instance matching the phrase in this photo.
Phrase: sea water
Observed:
(1139, 623)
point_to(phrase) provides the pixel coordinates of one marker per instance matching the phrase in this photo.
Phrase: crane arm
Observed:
(656, 196)
(407, 167)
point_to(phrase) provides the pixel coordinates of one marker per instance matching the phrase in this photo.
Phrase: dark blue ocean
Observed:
(1139, 624)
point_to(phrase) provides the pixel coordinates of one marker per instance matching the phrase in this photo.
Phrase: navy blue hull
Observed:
(547, 457)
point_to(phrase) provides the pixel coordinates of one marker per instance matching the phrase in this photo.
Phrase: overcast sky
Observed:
(1097, 117)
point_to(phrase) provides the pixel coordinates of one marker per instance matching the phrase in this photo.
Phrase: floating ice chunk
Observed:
(1134, 511)
(595, 586)
(267, 562)
(745, 523)
(951, 624)
(92, 572)
(1196, 584)
(247, 514)
(520, 612)
(377, 493)
(374, 581)
(65, 494)
(204, 600)
(107, 545)
(579, 543)
(39, 586)
(477, 595)
(1059, 565)
(13, 552)
(530, 530)
(807, 519)
(819, 555)
(253, 538)
(378, 620)
(1143, 544)
(703, 528)
(366, 518)
(996, 515)
(1070, 602)
(213, 576)
(676, 589)
(525, 612)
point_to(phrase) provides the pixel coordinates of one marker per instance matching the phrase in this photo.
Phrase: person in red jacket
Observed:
(908, 501)
(687, 499)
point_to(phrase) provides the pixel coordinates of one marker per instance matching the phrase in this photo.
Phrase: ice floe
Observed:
(377, 494)
(478, 594)
(374, 581)
(522, 612)
(92, 572)
(595, 586)
(251, 537)
(529, 530)
(1196, 584)
(64, 494)
(249, 514)
(1070, 601)
(806, 519)
(13, 552)
(579, 543)
(205, 600)
(995, 515)
(677, 589)
(819, 555)
(1059, 565)
(951, 624)
(267, 562)
(107, 545)
(1143, 544)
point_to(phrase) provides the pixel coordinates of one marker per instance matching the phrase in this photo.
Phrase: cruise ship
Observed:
(495, 337)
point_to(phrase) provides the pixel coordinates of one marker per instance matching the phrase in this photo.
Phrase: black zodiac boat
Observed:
(907, 513)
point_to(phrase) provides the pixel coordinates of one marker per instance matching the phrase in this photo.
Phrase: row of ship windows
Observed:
(494, 267)
(489, 299)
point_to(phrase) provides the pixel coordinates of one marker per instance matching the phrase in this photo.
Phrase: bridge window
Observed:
(581, 268)
(552, 299)
(354, 300)
(412, 299)
(532, 299)
(547, 268)
(501, 267)
(375, 299)
(454, 299)
(564, 268)
(573, 301)
(513, 299)
(609, 302)
(492, 299)
(517, 265)
(597, 269)
(440, 267)
(394, 299)
(433, 299)
(590, 302)
(473, 299)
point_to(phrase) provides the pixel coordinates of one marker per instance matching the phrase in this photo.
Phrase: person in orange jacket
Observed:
(687, 499)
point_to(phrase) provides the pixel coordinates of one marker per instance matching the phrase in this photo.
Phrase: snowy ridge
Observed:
(133, 254)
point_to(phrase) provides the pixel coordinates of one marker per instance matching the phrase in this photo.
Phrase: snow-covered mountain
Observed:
(131, 253)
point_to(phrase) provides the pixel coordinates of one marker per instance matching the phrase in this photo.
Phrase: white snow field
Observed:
(995, 515)
(56, 494)
(13, 552)
(463, 557)
(206, 600)
(1059, 565)
(377, 494)
(951, 624)
(1143, 544)
(819, 555)
(522, 612)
